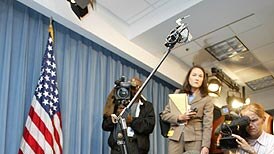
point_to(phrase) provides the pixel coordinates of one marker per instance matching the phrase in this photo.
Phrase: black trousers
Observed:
(131, 146)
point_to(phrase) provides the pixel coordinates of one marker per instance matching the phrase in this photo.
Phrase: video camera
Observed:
(237, 126)
(122, 90)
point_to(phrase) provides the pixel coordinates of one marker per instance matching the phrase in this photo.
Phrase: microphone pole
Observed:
(120, 119)
(178, 35)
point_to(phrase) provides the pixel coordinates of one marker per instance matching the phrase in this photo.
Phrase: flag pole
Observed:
(50, 29)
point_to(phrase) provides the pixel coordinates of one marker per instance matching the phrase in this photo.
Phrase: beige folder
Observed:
(180, 101)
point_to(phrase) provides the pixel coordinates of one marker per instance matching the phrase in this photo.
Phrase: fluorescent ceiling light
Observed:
(227, 48)
(261, 83)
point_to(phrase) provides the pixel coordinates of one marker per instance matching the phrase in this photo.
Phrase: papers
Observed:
(180, 101)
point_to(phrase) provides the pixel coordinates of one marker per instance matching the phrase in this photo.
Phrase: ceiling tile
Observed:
(187, 49)
(263, 53)
(160, 3)
(139, 15)
(252, 73)
(124, 9)
(201, 57)
(241, 61)
(188, 59)
(270, 66)
(215, 37)
(257, 37)
(152, 1)
(245, 24)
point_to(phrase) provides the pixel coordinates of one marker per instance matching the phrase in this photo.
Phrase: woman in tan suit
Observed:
(190, 131)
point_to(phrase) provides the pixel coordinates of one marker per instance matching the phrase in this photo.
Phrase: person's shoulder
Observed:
(266, 138)
(211, 99)
(269, 136)
(147, 103)
(208, 100)
(207, 97)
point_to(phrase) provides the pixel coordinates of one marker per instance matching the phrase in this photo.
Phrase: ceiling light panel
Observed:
(227, 48)
(261, 83)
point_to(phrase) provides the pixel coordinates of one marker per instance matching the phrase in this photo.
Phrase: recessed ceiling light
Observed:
(227, 48)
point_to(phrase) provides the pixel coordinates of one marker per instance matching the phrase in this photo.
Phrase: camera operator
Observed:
(140, 121)
(258, 141)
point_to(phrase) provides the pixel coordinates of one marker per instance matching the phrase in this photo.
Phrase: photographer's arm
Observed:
(109, 108)
(244, 145)
(107, 124)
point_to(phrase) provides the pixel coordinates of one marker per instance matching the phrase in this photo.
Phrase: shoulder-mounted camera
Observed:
(122, 89)
(237, 126)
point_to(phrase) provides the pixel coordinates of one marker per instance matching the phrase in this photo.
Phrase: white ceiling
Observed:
(139, 29)
(148, 22)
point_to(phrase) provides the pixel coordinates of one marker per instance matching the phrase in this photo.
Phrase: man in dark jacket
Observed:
(140, 121)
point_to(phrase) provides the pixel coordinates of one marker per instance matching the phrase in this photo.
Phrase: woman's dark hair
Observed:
(187, 87)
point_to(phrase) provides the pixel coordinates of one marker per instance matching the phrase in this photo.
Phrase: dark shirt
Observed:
(143, 126)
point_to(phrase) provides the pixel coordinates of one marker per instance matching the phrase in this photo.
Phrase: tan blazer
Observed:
(197, 128)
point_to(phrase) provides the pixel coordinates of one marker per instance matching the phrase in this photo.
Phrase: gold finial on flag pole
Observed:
(51, 28)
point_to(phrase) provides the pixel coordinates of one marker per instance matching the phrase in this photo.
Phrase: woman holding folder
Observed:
(190, 114)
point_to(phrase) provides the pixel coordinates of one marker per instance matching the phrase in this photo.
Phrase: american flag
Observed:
(43, 129)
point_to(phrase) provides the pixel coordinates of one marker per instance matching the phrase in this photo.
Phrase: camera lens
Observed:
(122, 93)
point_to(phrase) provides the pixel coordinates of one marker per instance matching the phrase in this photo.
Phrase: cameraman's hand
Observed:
(120, 109)
(129, 119)
(205, 150)
(243, 144)
(218, 139)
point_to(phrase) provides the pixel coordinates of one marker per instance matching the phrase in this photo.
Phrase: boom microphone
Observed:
(180, 34)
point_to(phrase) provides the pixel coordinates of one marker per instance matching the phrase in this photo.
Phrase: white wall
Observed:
(265, 97)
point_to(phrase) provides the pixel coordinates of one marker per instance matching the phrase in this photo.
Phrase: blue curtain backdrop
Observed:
(86, 73)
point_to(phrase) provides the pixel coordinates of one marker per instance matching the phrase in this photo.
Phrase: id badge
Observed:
(170, 132)
(130, 132)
